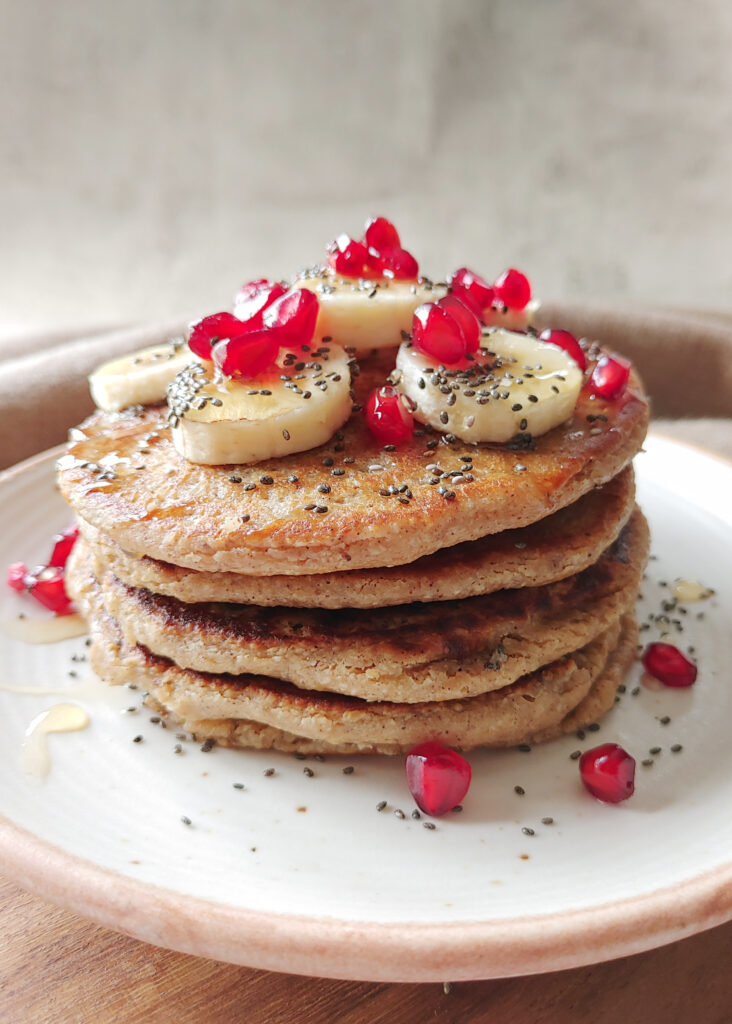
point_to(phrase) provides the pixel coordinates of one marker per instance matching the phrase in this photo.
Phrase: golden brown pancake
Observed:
(410, 653)
(554, 548)
(250, 710)
(381, 508)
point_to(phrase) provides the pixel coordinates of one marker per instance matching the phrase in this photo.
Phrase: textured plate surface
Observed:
(301, 873)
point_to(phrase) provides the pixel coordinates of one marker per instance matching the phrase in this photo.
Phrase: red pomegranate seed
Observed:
(437, 333)
(246, 354)
(210, 330)
(567, 341)
(473, 289)
(512, 289)
(292, 317)
(387, 416)
(47, 586)
(466, 318)
(348, 257)
(380, 234)
(608, 772)
(63, 543)
(667, 664)
(17, 573)
(254, 297)
(610, 377)
(438, 777)
(394, 263)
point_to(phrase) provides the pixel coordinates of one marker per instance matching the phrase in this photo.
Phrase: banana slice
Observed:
(139, 378)
(297, 405)
(512, 319)
(365, 314)
(516, 385)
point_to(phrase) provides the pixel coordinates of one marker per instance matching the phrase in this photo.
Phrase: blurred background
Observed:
(155, 154)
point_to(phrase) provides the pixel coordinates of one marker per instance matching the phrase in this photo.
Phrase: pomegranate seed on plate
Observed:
(63, 543)
(48, 587)
(387, 416)
(513, 289)
(246, 354)
(566, 341)
(349, 257)
(16, 576)
(437, 333)
(254, 297)
(610, 377)
(667, 664)
(395, 263)
(380, 234)
(438, 777)
(466, 318)
(608, 772)
(210, 330)
(473, 289)
(292, 317)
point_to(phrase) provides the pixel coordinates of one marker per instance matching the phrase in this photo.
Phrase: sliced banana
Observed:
(516, 385)
(366, 314)
(139, 378)
(512, 319)
(297, 405)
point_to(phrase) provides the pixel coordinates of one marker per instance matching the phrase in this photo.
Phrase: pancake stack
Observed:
(360, 598)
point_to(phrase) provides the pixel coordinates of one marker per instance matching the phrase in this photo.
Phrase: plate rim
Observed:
(402, 951)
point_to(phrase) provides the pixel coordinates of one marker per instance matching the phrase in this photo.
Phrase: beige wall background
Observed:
(155, 154)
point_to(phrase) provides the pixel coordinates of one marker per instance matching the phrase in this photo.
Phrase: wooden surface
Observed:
(58, 969)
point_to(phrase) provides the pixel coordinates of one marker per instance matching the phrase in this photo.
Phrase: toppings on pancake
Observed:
(379, 253)
(566, 341)
(514, 384)
(506, 303)
(438, 777)
(610, 377)
(47, 583)
(387, 416)
(139, 378)
(608, 772)
(295, 405)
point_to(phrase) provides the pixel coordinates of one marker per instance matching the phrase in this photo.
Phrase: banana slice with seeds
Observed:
(516, 385)
(139, 378)
(297, 405)
(365, 314)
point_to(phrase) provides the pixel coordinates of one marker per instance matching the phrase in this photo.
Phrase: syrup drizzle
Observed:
(44, 631)
(35, 757)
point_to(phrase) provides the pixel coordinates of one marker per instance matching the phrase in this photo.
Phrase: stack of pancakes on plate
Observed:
(358, 598)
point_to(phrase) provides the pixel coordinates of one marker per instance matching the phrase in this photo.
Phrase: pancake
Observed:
(554, 548)
(408, 654)
(249, 710)
(123, 476)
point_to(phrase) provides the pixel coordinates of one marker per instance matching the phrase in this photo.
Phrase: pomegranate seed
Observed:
(667, 664)
(610, 377)
(608, 772)
(63, 543)
(395, 263)
(48, 587)
(473, 289)
(253, 298)
(513, 289)
(387, 416)
(348, 257)
(466, 318)
(567, 341)
(438, 777)
(210, 330)
(17, 573)
(437, 333)
(292, 317)
(246, 354)
(380, 234)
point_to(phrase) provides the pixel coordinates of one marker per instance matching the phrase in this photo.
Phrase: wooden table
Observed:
(56, 968)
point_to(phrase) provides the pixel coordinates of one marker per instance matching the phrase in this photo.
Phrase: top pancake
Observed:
(124, 477)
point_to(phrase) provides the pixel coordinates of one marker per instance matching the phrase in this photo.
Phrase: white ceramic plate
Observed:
(303, 874)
